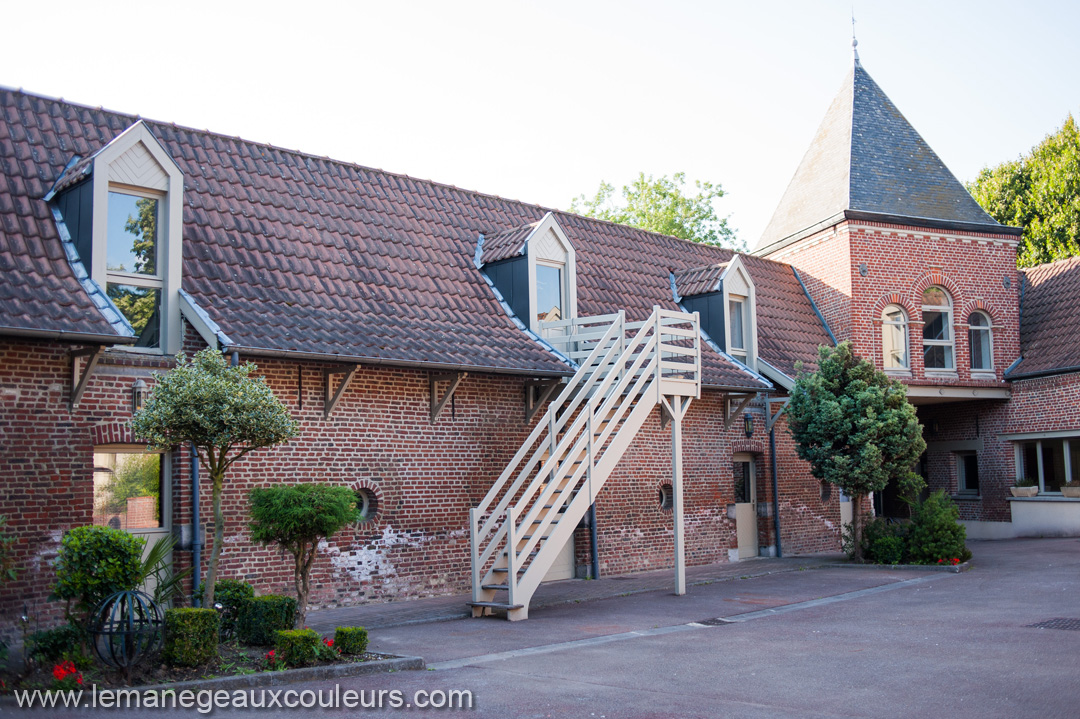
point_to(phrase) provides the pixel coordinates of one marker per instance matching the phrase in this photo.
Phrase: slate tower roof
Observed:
(868, 162)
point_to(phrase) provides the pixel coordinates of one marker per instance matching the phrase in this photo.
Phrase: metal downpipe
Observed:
(775, 486)
(196, 534)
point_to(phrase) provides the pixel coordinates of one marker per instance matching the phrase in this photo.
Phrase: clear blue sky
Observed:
(540, 101)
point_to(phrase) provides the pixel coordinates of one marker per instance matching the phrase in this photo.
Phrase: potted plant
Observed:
(1071, 489)
(1025, 487)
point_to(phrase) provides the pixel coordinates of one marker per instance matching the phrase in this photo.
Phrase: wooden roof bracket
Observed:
(730, 419)
(770, 417)
(537, 393)
(438, 405)
(78, 381)
(331, 401)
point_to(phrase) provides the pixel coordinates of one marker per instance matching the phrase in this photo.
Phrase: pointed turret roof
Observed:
(868, 162)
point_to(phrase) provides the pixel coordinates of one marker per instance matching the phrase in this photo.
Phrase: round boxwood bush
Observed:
(96, 562)
(262, 616)
(231, 594)
(297, 647)
(351, 640)
(191, 636)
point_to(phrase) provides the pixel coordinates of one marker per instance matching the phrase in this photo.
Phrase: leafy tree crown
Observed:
(660, 205)
(206, 401)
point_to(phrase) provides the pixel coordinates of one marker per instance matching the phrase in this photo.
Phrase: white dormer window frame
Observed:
(740, 312)
(136, 164)
(548, 247)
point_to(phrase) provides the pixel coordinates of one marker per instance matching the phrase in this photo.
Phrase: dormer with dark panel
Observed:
(724, 297)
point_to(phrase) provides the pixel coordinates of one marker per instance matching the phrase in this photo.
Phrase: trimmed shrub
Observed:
(297, 647)
(935, 532)
(884, 542)
(351, 640)
(231, 594)
(95, 562)
(262, 616)
(59, 644)
(191, 636)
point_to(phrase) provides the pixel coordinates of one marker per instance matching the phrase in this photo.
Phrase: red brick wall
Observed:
(426, 477)
(823, 261)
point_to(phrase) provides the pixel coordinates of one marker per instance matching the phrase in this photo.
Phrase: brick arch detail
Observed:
(750, 446)
(112, 433)
(932, 279)
(984, 306)
(893, 298)
(376, 491)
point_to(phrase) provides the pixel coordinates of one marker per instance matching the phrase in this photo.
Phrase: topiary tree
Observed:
(94, 563)
(856, 429)
(225, 412)
(297, 517)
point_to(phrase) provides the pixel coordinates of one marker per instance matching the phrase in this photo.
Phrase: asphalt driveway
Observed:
(820, 642)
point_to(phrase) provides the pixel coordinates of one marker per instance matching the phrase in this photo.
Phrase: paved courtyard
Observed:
(815, 641)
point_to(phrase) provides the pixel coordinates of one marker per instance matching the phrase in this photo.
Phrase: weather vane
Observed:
(854, 42)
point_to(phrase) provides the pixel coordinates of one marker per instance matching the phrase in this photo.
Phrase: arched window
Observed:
(982, 353)
(894, 337)
(937, 330)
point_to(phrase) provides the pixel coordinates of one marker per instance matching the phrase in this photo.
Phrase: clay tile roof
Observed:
(699, 280)
(292, 253)
(506, 244)
(1049, 316)
(867, 158)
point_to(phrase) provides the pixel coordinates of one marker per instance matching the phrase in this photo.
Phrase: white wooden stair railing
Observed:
(529, 514)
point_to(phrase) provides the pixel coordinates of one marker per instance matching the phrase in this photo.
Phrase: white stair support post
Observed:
(474, 552)
(677, 494)
(511, 554)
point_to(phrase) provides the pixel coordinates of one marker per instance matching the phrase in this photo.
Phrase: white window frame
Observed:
(563, 289)
(947, 311)
(170, 255)
(904, 369)
(1018, 458)
(960, 488)
(567, 261)
(982, 372)
(735, 274)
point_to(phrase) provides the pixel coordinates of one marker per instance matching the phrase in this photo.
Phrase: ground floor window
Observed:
(129, 488)
(1050, 462)
(967, 473)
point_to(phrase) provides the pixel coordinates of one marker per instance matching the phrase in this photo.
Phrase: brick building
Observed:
(425, 337)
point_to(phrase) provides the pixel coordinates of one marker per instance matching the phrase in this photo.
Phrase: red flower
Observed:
(328, 642)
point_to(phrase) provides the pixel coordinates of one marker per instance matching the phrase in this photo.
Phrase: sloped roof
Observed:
(866, 159)
(506, 244)
(699, 280)
(1049, 316)
(293, 253)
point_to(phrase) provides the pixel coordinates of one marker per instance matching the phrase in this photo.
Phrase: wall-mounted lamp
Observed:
(138, 395)
(748, 424)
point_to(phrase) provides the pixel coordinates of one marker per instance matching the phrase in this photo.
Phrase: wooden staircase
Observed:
(531, 511)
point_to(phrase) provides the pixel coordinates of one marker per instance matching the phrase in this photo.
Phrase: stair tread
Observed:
(495, 605)
(496, 587)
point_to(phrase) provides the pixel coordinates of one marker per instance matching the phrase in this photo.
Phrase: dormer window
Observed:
(123, 207)
(534, 269)
(724, 296)
(550, 292)
(133, 282)
(737, 322)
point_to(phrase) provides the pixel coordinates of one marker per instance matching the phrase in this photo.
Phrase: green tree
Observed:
(856, 429)
(225, 412)
(296, 518)
(1039, 192)
(661, 206)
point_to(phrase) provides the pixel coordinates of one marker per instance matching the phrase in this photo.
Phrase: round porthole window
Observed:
(368, 503)
(665, 496)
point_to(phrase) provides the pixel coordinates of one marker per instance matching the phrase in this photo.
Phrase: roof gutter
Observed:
(1040, 373)
(65, 336)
